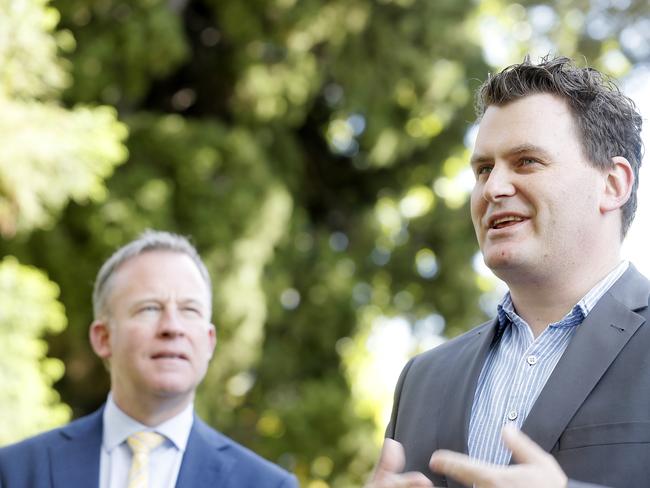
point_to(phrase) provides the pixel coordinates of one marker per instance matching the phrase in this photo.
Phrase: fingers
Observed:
(388, 471)
(524, 450)
(536, 468)
(391, 459)
(411, 479)
(462, 468)
(527, 453)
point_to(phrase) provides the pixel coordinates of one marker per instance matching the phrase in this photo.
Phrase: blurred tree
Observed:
(29, 307)
(288, 168)
(315, 152)
(49, 155)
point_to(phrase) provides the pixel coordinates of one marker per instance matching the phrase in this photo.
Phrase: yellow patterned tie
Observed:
(141, 444)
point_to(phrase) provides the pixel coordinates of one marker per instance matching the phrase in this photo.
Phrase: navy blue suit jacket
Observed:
(69, 457)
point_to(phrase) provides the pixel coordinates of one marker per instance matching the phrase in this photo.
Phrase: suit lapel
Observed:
(596, 344)
(460, 391)
(75, 460)
(206, 462)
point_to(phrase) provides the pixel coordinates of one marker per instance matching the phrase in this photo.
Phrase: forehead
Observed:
(158, 272)
(541, 120)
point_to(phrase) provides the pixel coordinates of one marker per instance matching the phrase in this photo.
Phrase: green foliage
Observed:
(49, 154)
(314, 152)
(29, 50)
(28, 309)
(122, 47)
(52, 155)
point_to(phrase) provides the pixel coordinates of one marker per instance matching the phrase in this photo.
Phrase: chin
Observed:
(518, 272)
(168, 392)
(503, 263)
(172, 386)
(496, 260)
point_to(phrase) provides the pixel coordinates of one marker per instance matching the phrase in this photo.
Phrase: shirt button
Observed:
(531, 359)
(512, 415)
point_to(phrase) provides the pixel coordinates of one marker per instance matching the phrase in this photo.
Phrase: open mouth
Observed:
(507, 221)
(169, 355)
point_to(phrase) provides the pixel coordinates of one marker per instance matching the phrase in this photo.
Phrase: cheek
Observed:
(129, 344)
(477, 209)
(203, 347)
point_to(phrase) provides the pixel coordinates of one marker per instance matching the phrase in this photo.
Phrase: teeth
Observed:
(510, 218)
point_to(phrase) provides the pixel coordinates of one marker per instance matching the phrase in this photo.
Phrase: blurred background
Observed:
(316, 153)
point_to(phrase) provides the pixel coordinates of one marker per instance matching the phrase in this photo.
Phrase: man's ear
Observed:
(212, 338)
(100, 338)
(619, 180)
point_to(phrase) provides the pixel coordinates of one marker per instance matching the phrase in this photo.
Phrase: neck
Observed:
(151, 412)
(549, 298)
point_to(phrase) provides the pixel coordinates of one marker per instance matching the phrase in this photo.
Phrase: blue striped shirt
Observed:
(517, 368)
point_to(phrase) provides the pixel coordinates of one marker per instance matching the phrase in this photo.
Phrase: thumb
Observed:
(391, 460)
(524, 449)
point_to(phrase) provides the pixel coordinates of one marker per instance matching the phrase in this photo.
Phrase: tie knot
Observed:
(144, 442)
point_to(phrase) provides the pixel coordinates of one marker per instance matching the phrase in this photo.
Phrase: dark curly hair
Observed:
(608, 122)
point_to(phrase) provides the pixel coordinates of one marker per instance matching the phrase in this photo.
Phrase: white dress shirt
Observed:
(164, 461)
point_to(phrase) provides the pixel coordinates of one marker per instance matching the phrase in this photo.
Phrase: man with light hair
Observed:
(152, 303)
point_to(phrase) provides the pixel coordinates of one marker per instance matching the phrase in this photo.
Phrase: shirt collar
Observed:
(118, 426)
(506, 313)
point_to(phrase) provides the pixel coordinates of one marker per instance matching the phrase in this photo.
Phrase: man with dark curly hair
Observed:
(554, 392)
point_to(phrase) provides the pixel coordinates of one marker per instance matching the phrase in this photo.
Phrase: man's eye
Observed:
(527, 161)
(192, 310)
(149, 308)
(483, 170)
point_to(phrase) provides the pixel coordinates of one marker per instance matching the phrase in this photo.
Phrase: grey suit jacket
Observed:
(593, 414)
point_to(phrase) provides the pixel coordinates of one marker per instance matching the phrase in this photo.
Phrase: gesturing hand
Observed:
(388, 470)
(536, 468)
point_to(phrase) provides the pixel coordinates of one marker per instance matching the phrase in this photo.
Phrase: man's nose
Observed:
(499, 184)
(171, 324)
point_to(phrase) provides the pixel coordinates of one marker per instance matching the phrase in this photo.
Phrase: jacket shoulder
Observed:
(248, 468)
(35, 443)
(29, 459)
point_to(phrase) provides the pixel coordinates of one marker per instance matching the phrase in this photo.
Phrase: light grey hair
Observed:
(149, 240)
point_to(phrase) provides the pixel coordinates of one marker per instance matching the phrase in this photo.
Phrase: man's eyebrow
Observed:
(479, 159)
(513, 151)
(528, 148)
(158, 299)
(190, 300)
